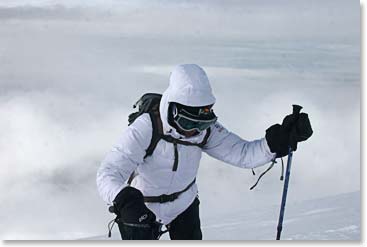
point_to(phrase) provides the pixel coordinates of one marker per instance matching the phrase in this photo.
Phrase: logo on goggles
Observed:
(206, 110)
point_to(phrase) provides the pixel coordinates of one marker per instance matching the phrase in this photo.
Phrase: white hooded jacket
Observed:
(190, 86)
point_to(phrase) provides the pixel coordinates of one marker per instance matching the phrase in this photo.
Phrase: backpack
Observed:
(149, 103)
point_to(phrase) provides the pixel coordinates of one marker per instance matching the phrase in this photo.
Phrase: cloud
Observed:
(50, 150)
(284, 20)
(68, 82)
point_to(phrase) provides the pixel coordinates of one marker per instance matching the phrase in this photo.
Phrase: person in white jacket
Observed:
(164, 191)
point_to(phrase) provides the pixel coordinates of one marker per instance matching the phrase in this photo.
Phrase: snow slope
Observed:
(329, 218)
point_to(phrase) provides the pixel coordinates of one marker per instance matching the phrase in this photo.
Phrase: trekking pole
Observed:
(296, 111)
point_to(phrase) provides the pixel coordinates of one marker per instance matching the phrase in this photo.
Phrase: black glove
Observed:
(295, 128)
(130, 207)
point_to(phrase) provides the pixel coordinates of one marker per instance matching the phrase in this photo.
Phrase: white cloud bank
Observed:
(70, 73)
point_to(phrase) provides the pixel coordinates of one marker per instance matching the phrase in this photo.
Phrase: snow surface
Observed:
(329, 218)
(70, 72)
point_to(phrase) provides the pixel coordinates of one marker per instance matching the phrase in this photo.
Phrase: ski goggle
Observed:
(188, 124)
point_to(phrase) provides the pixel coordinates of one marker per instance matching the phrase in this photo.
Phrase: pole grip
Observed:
(295, 113)
(297, 109)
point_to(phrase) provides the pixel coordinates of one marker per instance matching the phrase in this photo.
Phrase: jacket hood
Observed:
(188, 85)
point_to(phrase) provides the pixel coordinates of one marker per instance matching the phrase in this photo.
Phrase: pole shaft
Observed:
(296, 112)
(284, 196)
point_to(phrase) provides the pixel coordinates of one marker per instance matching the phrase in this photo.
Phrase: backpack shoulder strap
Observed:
(157, 132)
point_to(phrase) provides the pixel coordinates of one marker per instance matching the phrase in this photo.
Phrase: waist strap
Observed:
(167, 198)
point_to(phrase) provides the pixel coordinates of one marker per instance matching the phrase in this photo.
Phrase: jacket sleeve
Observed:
(123, 159)
(232, 149)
